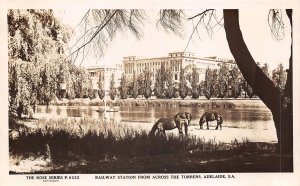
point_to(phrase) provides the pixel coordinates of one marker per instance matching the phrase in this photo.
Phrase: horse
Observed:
(185, 116)
(211, 116)
(164, 124)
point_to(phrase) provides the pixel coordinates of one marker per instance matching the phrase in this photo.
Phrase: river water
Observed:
(254, 123)
(258, 117)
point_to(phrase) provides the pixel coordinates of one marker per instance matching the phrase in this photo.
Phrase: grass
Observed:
(91, 139)
(95, 146)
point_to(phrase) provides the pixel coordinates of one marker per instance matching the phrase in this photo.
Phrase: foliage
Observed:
(100, 26)
(159, 84)
(123, 87)
(141, 83)
(135, 88)
(112, 88)
(33, 34)
(183, 89)
(248, 89)
(195, 84)
(235, 82)
(91, 92)
(265, 69)
(169, 84)
(279, 77)
(222, 82)
(101, 91)
(22, 87)
(36, 42)
(148, 83)
(208, 84)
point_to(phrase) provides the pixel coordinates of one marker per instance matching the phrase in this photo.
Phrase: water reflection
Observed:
(236, 118)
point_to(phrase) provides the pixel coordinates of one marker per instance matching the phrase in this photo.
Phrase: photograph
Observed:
(150, 93)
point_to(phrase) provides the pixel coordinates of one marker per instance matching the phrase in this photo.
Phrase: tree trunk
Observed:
(279, 104)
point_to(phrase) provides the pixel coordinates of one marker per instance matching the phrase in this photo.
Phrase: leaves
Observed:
(123, 87)
(183, 89)
(279, 77)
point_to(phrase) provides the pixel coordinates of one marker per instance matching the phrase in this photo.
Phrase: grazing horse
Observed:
(185, 116)
(164, 124)
(211, 116)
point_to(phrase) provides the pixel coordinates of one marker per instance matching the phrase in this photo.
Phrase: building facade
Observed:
(105, 73)
(174, 61)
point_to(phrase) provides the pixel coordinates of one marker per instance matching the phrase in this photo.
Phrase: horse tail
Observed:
(154, 128)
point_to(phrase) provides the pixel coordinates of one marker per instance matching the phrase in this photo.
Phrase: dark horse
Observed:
(164, 124)
(185, 116)
(211, 116)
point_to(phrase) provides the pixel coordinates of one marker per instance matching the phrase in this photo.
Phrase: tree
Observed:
(60, 82)
(183, 89)
(279, 77)
(141, 84)
(135, 88)
(70, 92)
(33, 34)
(169, 84)
(195, 84)
(147, 83)
(163, 73)
(208, 84)
(159, 84)
(48, 84)
(101, 88)
(92, 93)
(36, 40)
(23, 83)
(112, 88)
(279, 102)
(123, 87)
(265, 69)
(235, 82)
(248, 89)
(222, 81)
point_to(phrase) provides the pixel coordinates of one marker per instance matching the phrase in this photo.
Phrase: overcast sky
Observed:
(157, 43)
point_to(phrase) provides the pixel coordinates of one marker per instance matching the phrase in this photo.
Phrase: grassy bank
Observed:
(95, 146)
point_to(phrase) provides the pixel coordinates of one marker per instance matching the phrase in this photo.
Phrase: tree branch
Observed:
(200, 14)
(257, 80)
(96, 33)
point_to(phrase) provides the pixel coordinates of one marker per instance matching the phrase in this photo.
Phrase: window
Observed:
(176, 77)
(92, 74)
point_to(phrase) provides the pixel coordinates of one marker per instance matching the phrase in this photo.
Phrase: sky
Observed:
(158, 43)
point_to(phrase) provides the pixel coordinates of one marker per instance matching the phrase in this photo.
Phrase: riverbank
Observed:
(96, 146)
(142, 102)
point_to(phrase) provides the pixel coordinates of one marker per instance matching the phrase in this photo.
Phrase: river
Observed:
(256, 123)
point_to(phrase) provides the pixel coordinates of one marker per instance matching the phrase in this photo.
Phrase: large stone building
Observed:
(105, 73)
(175, 61)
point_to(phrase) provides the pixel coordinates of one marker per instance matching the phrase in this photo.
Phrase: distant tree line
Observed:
(218, 83)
